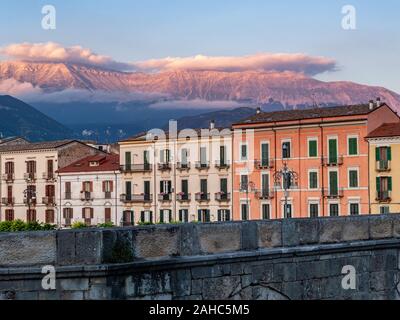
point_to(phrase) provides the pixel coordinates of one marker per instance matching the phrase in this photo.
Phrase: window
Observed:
(184, 158)
(353, 178)
(31, 166)
(128, 190)
(31, 215)
(68, 190)
(185, 187)
(313, 180)
(87, 186)
(222, 156)
(146, 216)
(224, 215)
(203, 215)
(49, 216)
(107, 215)
(9, 215)
(223, 184)
(333, 151)
(265, 185)
(9, 168)
(287, 211)
(314, 208)
(128, 218)
(165, 156)
(383, 157)
(165, 186)
(203, 186)
(243, 152)
(184, 215)
(244, 210)
(383, 188)
(68, 215)
(244, 182)
(385, 210)
(128, 160)
(354, 209)
(312, 148)
(10, 199)
(286, 150)
(353, 146)
(165, 216)
(266, 211)
(334, 209)
(333, 183)
(107, 189)
(87, 215)
(203, 156)
(146, 190)
(264, 154)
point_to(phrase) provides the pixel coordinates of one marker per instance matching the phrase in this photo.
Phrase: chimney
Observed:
(378, 102)
(212, 124)
(258, 110)
(371, 104)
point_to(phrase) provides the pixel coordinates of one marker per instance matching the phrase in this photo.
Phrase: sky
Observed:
(131, 31)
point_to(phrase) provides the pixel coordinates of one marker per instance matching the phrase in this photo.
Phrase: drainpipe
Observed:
(299, 173)
(276, 163)
(59, 215)
(116, 197)
(322, 169)
(369, 179)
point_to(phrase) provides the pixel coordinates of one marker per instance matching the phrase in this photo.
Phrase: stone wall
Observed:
(283, 259)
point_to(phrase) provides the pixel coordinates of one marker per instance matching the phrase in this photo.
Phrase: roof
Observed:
(386, 130)
(194, 133)
(9, 139)
(302, 114)
(106, 162)
(36, 145)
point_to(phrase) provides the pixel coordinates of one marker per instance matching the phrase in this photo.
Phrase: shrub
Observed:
(106, 225)
(19, 225)
(121, 252)
(78, 225)
(5, 226)
(147, 223)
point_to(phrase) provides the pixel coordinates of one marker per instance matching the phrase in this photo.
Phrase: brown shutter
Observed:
(83, 213)
(83, 185)
(91, 213)
(111, 186)
(91, 186)
(9, 192)
(104, 186)
(107, 215)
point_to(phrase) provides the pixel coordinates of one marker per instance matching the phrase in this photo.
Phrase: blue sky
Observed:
(140, 30)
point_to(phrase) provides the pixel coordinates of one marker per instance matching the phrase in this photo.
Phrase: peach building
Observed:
(325, 147)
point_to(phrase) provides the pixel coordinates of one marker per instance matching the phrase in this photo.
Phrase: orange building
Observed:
(326, 149)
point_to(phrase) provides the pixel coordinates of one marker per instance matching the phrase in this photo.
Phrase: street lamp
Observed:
(288, 178)
(247, 187)
(30, 196)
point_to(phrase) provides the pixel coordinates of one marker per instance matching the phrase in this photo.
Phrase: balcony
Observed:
(8, 201)
(8, 177)
(332, 161)
(164, 166)
(183, 166)
(86, 196)
(129, 168)
(49, 176)
(49, 201)
(136, 198)
(30, 176)
(30, 201)
(222, 164)
(67, 196)
(265, 194)
(183, 197)
(264, 164)
(202, 165)
(107, 195)
(165, 197)
(383, 165)
(384, 196)
(332, 193)
(222, 197)
(201, 196)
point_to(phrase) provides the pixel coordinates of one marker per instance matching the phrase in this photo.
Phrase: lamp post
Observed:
(289, 178)
(247, 187)
(30, 196)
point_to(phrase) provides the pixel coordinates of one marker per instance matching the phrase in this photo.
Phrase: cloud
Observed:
(54, 52)
(301, 63)
(195, 104)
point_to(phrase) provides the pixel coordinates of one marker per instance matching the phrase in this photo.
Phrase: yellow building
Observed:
(384, 169)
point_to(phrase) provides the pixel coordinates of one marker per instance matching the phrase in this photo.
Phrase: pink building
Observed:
(325, 148)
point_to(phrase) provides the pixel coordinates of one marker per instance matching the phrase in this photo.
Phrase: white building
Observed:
(89, 191)
(183, 177)
(28, 183)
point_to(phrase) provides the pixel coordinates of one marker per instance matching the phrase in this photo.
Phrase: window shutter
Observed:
(180, 216)
(91, 186)
(151, 216)
(170, 215)
(377, 154)
(208, 215)
(219, 215)
(83, 213)
(228, 215)
(91, 213)
(162, 216)
(83, 186)
(107, 215)
(378, 184)
(389, 153)
(390, 183)
(142, 216)
(199, 215)
(104, 186)
(312, 146)
(111, 186)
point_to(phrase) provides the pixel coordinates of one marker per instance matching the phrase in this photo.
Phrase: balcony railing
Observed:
(30, 201)
(332, 193)
(383, 165)
(49, 201)
(86, 196)
(164, 166)
(202, 165)
(107, 195)
(30, 176)
(165, 197)
(49, 176)
(144, 167)
(8, 177)
(332, 161)
(222, 164)
(265, 194)
(68, 195)
(182, 166)
(201, 196)
(183, 197)
(384, 196)
(136, 198)
(8, 201)
(222, 196)
(264, 163)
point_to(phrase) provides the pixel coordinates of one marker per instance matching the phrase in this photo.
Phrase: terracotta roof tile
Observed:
(386, 130)
(106, 162)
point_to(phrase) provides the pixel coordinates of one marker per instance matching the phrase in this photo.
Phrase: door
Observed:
(333, 156)
(128, 160)
(333, 183)
(128, 190)
(265, 185)
(146, 161)
(224, 186)
(146, 189)
(222, 152)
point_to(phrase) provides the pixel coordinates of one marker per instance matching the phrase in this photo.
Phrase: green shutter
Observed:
(312, 148)
(224, 185)
(333, 151)
(378, 184)
(264, 154)
(199, 215)
(161, 216)
(377, 154)
(389, 153)
(353, 146)
(333, 182)
(390, 183)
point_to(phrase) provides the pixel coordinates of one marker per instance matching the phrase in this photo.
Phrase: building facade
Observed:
(28, 182)
(326, 151)
(384, 177)
(184, 177)
(89, 191)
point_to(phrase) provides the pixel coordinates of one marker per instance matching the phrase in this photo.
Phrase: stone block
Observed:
(221, 288)
(98, 292)
(65, 247)
(381, 227)
(197, 286)
(331, 230)
(262, 273)
(297, 232)
(156, 242)
(28, 248)
(249, 235)
(72, 295)
(218, 238)
(284, 272)
(74, 284)
(356, 229)
(181, 281)
(88, 247)
(396, 225)
(269, 234)
(189, 244)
